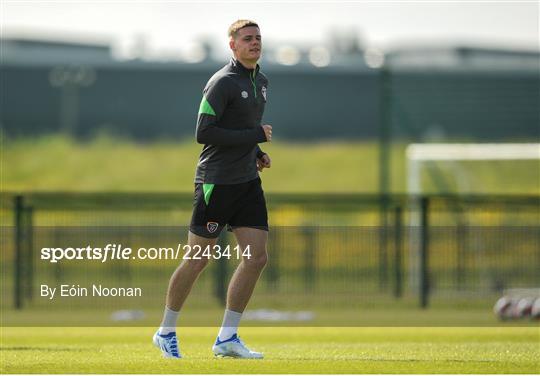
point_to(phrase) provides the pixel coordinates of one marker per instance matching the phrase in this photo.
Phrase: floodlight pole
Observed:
(385, 127)
(70, 80)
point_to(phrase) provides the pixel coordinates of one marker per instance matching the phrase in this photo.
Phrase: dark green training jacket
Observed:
(229, 125)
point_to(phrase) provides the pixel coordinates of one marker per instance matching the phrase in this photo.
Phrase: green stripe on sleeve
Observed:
(206, 108)
(207, 190)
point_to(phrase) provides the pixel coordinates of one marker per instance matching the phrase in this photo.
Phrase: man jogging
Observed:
(227, 189)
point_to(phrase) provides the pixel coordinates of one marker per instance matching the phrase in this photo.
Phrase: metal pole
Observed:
(385, 128)
(424, 253)
(272, 269)
(398, 287)
(309, 259)
(383, 244)
(18, 257)
(29, 236)
(413, 190)
(460, 255)
(69, 108)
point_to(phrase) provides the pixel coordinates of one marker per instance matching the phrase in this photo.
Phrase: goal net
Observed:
(461, 168)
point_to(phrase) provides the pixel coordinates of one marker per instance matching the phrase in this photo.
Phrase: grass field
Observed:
(477, 343)
(287, 350)
(57, 163)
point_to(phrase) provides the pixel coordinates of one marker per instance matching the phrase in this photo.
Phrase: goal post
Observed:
(420, 156)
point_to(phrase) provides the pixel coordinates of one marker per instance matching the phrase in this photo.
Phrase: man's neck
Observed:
(249, 64)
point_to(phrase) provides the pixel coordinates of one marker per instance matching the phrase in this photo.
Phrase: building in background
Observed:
(460, 93)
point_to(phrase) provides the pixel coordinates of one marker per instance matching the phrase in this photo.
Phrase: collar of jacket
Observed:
(237, 65)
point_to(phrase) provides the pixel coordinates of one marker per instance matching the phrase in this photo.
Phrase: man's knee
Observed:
(196, 264)
(258, 260)
(196, 241)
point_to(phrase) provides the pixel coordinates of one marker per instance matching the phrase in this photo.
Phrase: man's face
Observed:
(247, 45)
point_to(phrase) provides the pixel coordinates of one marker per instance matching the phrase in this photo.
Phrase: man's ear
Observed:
(232, 45)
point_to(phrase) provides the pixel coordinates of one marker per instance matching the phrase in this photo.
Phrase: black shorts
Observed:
(235, 205)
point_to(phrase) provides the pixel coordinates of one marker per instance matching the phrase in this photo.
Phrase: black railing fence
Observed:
(323, 249)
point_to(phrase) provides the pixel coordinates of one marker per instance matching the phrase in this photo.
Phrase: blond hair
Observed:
(240, 24)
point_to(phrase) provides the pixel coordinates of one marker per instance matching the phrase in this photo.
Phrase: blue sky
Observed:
(382, 24)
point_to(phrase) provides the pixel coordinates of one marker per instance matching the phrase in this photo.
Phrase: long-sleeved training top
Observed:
(229, 125)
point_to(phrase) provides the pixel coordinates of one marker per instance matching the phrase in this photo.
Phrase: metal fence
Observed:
(323, 248)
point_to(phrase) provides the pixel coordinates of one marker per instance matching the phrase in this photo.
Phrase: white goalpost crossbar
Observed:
(418, 153)
(473, 151)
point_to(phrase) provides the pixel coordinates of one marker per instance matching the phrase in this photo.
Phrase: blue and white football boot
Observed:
(234, 348)
(168, 345)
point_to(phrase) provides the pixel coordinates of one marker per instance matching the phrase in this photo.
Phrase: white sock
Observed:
(229, 327)
(168, 324)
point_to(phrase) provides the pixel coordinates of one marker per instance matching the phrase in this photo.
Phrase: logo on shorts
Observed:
(212, 227)
(244, 94)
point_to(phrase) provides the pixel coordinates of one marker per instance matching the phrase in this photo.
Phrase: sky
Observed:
(176, 25)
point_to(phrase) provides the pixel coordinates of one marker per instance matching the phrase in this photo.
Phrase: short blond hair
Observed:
(240, 24)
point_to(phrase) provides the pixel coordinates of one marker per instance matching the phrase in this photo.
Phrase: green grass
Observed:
(105, 164)
(287, 350)
(207, 314)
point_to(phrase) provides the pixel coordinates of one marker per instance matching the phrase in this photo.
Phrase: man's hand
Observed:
(264, 162)
(267, 131)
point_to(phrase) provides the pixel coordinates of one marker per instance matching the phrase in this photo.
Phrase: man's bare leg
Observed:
(247, 274)
(244, 278)
(179, 288)
(182, 281)
(186, 274)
